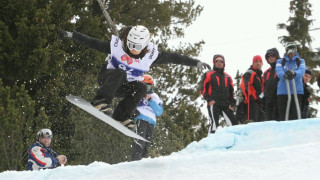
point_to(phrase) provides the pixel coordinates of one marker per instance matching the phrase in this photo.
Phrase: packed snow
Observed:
(264, 150)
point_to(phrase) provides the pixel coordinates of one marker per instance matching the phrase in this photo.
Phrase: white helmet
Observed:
(43, 133)
(138, 38)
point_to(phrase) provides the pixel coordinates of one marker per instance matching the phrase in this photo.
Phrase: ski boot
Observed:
(130, 124)
(103, 106)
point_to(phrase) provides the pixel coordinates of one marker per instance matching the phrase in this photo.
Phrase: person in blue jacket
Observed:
(149, 107)
(41, 156)
(290, 67)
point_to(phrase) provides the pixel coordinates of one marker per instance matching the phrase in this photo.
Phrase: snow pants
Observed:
(113, 83)
(282, 106)
(214, 113)
(139, 147)
(271, 110)
(253, 111)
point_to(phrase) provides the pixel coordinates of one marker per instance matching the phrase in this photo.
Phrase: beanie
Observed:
(308, 72)
(218, 56)
(257, 58)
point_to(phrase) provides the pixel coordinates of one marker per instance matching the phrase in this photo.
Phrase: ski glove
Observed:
(63, 34)
(202, 65)
(290, 75)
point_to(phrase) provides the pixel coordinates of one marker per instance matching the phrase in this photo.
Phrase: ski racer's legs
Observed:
(139, 147)
(110, 80)
(113, 83)
(132, 92)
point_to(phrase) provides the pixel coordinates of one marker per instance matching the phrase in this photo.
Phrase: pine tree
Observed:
(298, 29)
(18, 125)
(32, 56)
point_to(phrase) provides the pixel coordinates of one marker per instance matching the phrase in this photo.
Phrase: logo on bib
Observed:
(129, 59)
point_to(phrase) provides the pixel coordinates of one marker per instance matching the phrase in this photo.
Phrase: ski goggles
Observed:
(133, 46)
(46, 136)
(149, 89)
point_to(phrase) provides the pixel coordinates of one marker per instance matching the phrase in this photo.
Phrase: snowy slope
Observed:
(266, 150)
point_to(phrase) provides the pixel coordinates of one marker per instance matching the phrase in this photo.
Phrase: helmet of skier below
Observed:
(148, 80)
(138, 38)
(291, 48)
(44, 133)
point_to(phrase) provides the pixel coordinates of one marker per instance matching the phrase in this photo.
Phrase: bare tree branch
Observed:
(108, 18)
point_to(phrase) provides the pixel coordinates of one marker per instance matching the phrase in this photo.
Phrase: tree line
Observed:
(38, 69)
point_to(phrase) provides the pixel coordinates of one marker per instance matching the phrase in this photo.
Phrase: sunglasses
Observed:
(133, 46)
(219, 61)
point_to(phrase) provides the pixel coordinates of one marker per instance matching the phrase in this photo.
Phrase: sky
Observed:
(242, 29)
(265, 150)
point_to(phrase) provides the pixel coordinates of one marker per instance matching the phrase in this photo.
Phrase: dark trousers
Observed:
(113, 83)
(282, 106)
(139, 147)
(252, 111)
(271, 110)
(214, 113)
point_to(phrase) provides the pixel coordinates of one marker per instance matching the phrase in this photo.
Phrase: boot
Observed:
(102, 105)
(129, 124)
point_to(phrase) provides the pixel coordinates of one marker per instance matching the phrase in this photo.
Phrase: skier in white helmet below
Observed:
(41, 156)
(132, 54)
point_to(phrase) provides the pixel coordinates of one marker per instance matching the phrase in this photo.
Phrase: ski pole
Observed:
(289, 100)
(296, 98)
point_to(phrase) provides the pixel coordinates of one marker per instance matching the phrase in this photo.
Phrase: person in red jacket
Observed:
(217, 89)
(251, 86)
(270, 83)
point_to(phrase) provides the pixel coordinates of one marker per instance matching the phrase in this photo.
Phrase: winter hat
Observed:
(272, 52)
(218, 57)
(257, 58)
(308, 72)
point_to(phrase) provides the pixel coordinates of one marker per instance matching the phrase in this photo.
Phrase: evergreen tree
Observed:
(18, 126)
(298, 28)
(33, 57)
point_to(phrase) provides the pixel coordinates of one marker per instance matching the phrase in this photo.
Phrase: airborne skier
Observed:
(132, 54)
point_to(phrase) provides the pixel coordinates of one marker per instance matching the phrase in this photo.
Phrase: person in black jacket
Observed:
(132, 54)
(270, 83)
(306, 96)
(251, 86)
(217, 89)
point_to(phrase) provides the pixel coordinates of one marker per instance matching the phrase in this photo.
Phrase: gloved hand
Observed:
(63, 34)
(289, 75)
(202, 65)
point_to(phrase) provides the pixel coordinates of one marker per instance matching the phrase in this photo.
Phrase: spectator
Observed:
(217, 89)
(149, 107)
(290, 67)
(41, 156)
(269, 84)
(251, 86)
(306, 96)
